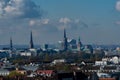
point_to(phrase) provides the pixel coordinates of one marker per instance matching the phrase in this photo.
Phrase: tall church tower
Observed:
(65, 43)
(31, 41)
(79, 46)
(11, 44)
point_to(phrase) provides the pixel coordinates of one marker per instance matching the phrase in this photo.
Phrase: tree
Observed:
(47, 57)
(15, 74)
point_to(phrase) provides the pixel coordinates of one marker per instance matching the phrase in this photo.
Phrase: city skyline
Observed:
(96, 22)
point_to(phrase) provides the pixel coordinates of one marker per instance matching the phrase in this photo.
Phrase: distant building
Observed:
(65, 42)
(30, 52)
(4, 53)
(31, 41)
(21, 71)
(100, 62)
(88, 49)
(25, 54)
(33, 52)
(45, 73)
(46, 46)
(11, 44)
(94, 76)
(79, 45)
(4, 72)
(72, 76)
(72, 44)
(31, 67)
(59, 61)
(103, 75)
(115, 60)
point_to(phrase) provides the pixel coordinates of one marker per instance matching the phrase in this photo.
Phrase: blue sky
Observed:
(95, 21)
(77, 8)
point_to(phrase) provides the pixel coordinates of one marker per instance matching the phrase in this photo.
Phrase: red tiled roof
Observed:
(45, 71)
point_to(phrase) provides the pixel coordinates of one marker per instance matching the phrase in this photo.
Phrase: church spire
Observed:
(11, 44)
(79, 40)
(65, 41)
(31, 40)
(64, 33)
(79, 44)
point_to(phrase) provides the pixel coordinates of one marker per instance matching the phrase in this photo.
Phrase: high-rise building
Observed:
(65, 43)
(88, 49)
(11, 44)
(31, 41)
(72, 44)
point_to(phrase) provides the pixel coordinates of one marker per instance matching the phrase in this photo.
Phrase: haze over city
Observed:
(59, 40)
(95, 21)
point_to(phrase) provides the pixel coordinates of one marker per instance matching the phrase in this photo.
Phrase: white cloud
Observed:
(77, 21)
(59, 24)
(71, 23)
(39, 22)
(118, 5)
(19, 9)
(32, 22)
(45, 21)
(64, 20)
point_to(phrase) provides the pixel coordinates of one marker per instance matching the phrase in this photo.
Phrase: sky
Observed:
(94, 21)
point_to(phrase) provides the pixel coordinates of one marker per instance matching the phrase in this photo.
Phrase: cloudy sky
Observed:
(95, 21)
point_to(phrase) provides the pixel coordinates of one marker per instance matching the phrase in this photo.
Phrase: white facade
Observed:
(103, 75)
(100, 63)
(33, 52)
(25, 54)
(59, 61)
(115, 60)
(4, 72)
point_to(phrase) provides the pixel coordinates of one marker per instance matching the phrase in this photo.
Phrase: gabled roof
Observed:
(45, 71)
